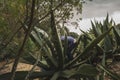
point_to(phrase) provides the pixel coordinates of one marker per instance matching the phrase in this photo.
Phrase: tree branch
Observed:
(61, 4)
(24, 41)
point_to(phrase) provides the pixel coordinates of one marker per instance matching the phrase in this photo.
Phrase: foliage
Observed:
(10, 33)
(41, 33)
(107, 51)
(12, 14)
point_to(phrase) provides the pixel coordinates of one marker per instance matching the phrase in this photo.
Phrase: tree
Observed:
(13, 16)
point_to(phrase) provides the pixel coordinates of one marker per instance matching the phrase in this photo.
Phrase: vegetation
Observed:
(31, 32)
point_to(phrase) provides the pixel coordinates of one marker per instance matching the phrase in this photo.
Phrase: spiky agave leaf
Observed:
(89, 47)
(116, 32)
(96, 29)
(30, 59)
(87, 70)
(20, 75)
(113, 75)
(57, 42)
(43, 44)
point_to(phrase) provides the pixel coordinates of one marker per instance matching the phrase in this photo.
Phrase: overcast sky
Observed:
(98, 9)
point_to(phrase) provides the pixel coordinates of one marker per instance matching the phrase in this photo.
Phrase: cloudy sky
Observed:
(98, 9)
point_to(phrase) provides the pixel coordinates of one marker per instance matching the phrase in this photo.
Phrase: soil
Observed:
(4, 68)
(114, 67)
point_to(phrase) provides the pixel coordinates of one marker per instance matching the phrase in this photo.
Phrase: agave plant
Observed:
(110, 44)
(52, 61)
(106, 51)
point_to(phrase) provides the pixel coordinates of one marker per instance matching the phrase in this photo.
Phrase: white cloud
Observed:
(116, 17)
(85, 24)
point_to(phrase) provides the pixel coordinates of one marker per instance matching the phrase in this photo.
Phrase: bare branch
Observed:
(24, 41)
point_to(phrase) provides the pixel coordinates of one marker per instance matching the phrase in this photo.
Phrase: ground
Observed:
(21, 67)
(114, 67)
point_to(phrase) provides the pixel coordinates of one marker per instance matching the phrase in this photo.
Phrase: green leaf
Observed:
(107, 44)
(41, 42)
(87, 70)
(88, 48)
(20, 75)
(30, 59)
(116, 31)
(104, 59)
(55, 76)
(113, 75)
(57, 42)
(96, 29)
(64, 74)
(77, 44)
(68, 73)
